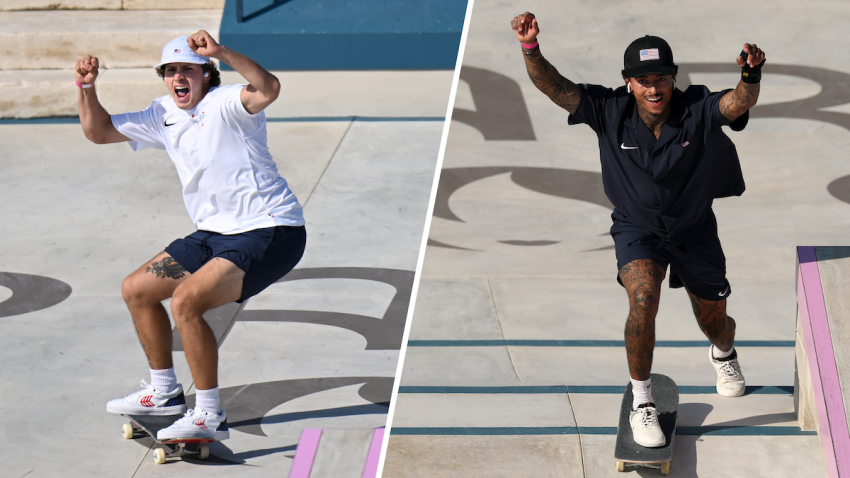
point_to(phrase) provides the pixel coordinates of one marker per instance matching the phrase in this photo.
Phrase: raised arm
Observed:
(744, 96)
(96, 123)
(545, 77)
(263, 87)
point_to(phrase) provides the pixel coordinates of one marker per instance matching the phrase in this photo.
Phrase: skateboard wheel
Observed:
(127, 431)
(621, 465)
(203, 451)
(665, 468)
(159, 456)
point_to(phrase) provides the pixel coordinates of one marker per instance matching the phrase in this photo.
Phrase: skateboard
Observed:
(151, 424)
(626, 451)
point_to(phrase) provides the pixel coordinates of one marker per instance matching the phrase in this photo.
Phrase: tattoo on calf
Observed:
(167, 267)
(711, 316)
(642, 279)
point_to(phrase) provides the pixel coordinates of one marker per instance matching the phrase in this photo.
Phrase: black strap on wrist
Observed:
(750, 74)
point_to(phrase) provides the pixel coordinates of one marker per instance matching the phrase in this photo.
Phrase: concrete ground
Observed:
(515, 365)
(318, 350)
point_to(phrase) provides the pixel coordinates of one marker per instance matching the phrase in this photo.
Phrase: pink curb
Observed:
(305, 453)
(371, 469)
(824, 371)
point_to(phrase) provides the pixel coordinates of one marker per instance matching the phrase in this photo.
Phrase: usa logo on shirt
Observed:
(651, 54)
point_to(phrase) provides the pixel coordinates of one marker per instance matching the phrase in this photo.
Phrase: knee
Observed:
(133, 291)
(184, 305)
(644, 303)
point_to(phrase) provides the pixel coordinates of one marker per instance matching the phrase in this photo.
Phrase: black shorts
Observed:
(698, 263)
(265, 255)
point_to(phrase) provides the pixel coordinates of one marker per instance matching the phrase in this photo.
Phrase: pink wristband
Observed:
(529, 47)
(80, 85)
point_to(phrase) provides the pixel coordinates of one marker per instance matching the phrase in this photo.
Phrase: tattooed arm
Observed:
(738, 101)
(545, 77)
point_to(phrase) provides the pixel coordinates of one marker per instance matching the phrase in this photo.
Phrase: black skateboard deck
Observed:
(626, 451)
(151, 424)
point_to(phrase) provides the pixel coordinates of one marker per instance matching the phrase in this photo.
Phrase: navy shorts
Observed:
(265, 255)
(698, 263)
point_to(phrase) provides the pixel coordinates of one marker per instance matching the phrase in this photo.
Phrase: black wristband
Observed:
(750, 74)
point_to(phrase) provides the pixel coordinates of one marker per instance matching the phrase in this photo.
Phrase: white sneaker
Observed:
(730, 380)
(150, 401)
(197, 423)
(645, 428)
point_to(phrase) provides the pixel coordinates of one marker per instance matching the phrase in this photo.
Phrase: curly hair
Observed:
(215, 75)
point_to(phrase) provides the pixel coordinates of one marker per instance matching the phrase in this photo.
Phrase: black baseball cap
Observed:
(648, 55)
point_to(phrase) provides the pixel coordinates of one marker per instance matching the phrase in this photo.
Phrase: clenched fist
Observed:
(86, 70)
(525, 27)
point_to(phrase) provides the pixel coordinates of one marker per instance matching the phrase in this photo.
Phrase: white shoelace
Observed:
(647, 418)
(192, 414)
(146, 388)
(728, 369)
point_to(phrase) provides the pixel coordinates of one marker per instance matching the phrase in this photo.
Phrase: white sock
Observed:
(719, 354)
(642, 392)
(164, 380)
(207, 400)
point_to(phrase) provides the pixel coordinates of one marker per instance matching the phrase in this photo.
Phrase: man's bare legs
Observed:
(216, 283)
(143, 291)
(642, 279)
(713, 321)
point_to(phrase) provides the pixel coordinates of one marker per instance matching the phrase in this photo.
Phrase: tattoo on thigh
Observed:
(167, 267)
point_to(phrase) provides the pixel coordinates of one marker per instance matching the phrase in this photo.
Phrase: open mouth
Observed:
(181, 91)
(654, 100)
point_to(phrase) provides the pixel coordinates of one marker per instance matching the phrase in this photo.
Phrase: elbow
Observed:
(274, 88)
(95, 138)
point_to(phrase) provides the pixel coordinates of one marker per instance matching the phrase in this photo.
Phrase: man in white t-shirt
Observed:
(250, 224)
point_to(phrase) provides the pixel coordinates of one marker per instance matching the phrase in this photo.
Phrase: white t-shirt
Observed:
(230, 181)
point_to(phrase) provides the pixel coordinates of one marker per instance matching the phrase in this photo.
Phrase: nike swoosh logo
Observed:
(721, 294)
(167, 125)
(623, 146)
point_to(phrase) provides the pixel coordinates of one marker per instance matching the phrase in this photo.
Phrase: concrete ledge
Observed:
(120, 39)
(16, 5)
(48, 93)
(818, 391)
(171, 5)
(13, 5)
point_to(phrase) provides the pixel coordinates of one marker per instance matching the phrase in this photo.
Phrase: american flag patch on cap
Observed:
(180, 50)
(651, 54)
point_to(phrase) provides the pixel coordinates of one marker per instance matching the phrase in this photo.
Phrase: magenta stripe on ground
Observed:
(830, 403)
(371, 469)
(305, 453)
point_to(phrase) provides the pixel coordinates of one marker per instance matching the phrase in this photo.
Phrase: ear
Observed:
(206, 77)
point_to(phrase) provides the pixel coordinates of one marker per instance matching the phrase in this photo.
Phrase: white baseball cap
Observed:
(178, 51)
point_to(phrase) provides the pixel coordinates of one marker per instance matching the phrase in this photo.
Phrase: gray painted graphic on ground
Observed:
(248, 405)
(835, 91)
(840, 189)
(500, 111)
(31, 293)
(380, 334)
(565, 183)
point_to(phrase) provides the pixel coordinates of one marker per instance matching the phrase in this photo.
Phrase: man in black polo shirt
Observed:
(664, 161)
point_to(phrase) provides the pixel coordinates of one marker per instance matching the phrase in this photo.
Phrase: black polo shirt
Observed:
(665, 186)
